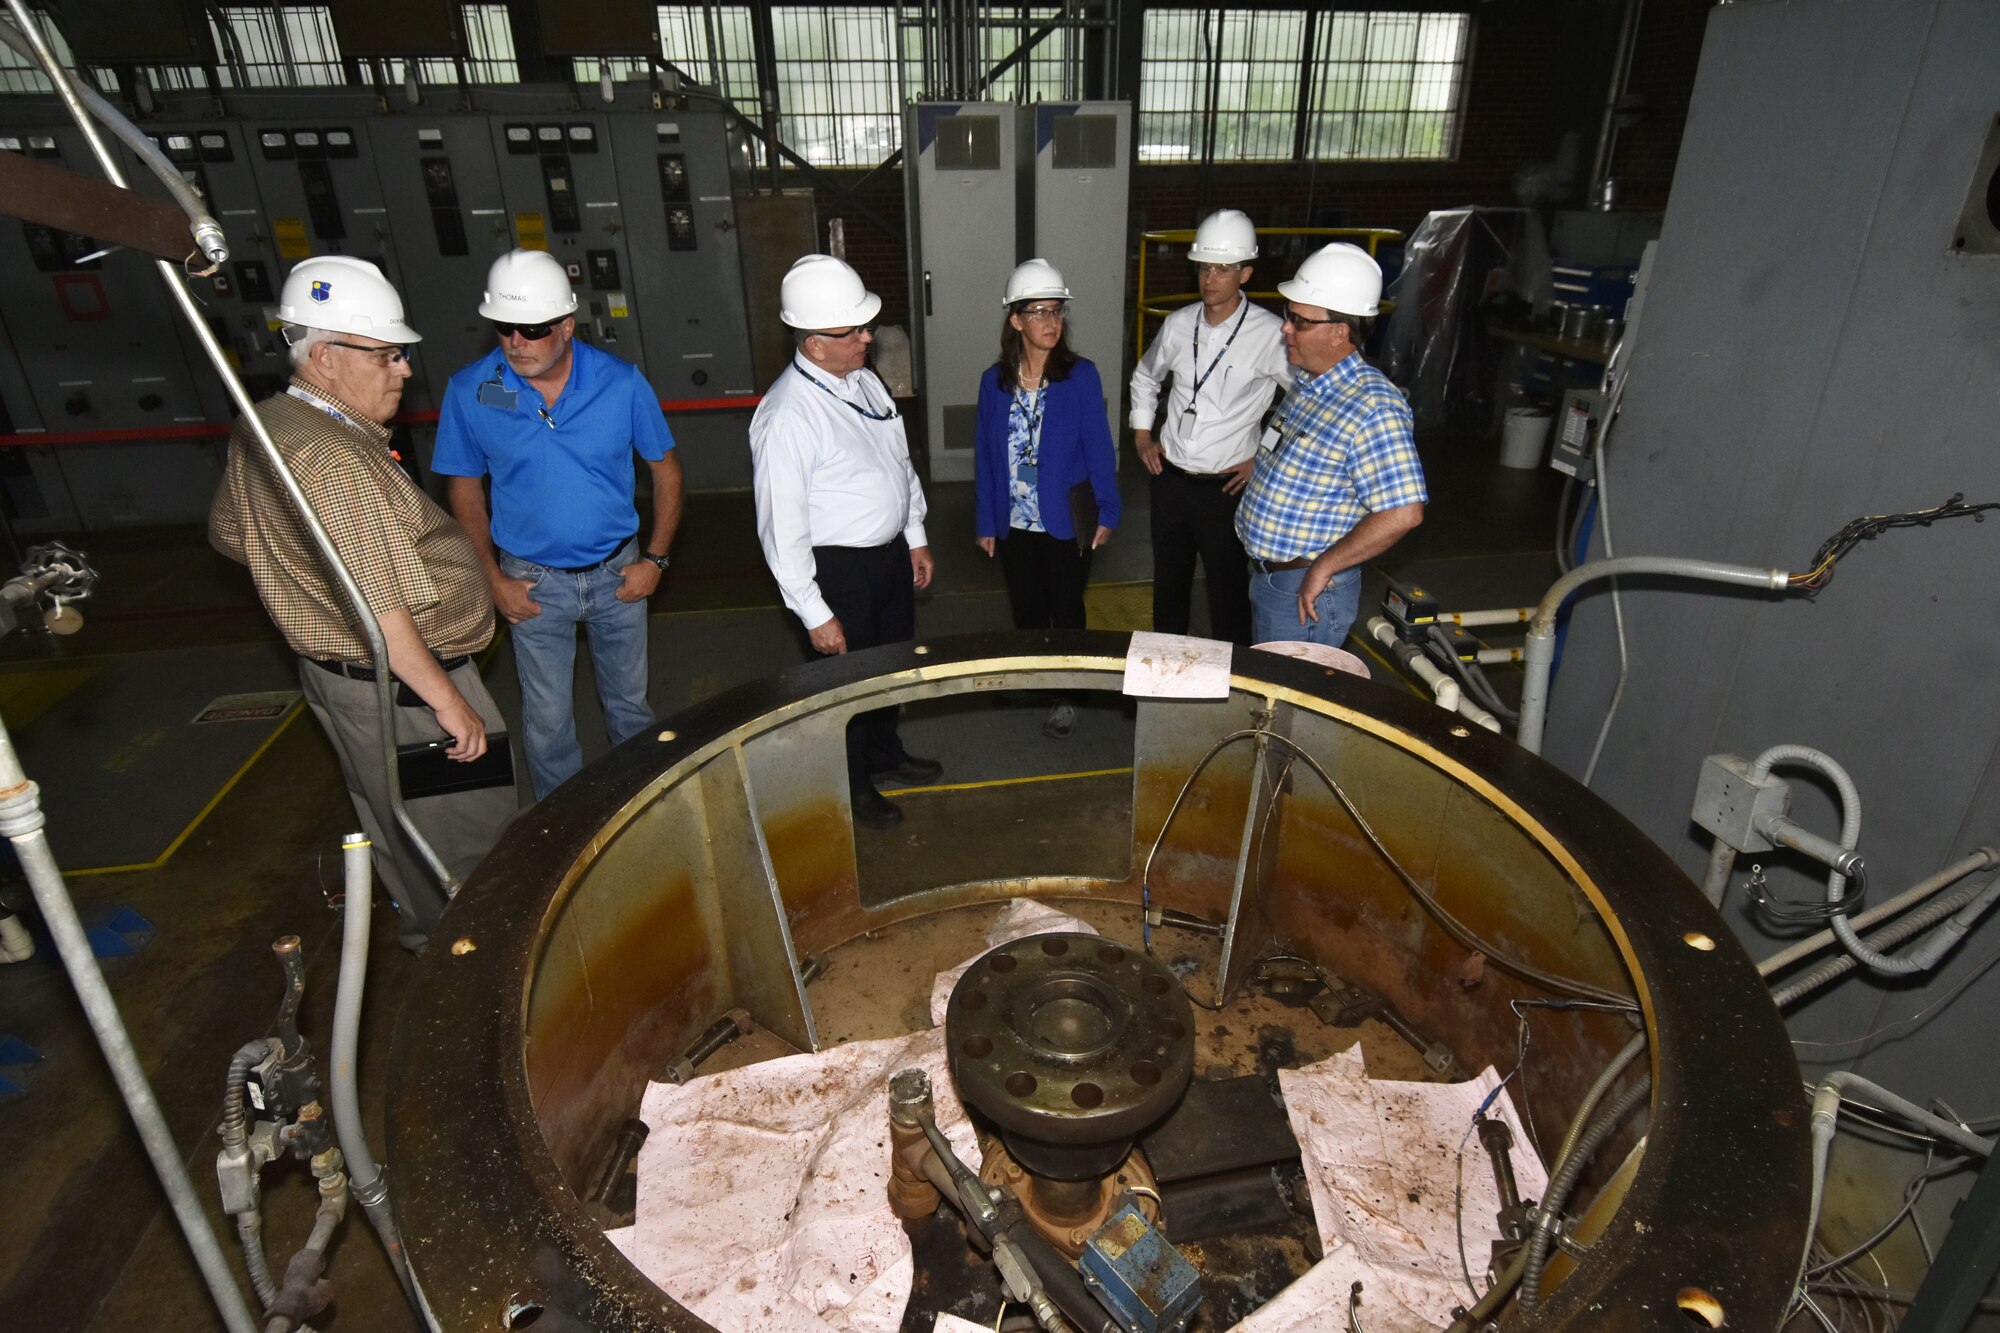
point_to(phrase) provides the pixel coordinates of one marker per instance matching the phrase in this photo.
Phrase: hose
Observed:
(250, 1234)
(1964, 900)
(365, 1178)
(1595, 1094)
(206, 231)
(1564, 1180)
(235, 1132)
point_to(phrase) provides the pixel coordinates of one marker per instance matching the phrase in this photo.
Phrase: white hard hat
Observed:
(343, 295)
(1224, 237)
(821, 292)
(1340, 278)
(1036, 280)
(527, 287)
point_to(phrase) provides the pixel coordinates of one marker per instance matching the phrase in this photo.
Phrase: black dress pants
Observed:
(870, 592)
(1194, 518)
(1045, 577)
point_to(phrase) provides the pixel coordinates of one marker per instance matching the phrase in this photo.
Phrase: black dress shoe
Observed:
(874, 810)
(914, 771)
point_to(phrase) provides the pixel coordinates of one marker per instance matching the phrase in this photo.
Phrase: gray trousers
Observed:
(460, 827)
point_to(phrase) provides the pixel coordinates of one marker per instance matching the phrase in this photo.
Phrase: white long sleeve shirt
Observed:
(827, 476)
(1223, 429)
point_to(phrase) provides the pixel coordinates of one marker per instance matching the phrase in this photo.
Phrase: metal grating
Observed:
(1387, 85)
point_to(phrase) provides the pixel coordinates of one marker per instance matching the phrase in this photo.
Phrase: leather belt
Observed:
(1277, 566)
(363, 671)
(1213, 478)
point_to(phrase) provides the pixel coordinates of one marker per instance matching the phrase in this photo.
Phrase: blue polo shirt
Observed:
(562, 475)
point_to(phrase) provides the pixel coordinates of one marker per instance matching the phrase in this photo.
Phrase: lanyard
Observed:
(313, 401)
(1200, 377)
(1034, 402)
(891, 415)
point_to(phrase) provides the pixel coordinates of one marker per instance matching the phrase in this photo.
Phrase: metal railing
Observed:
(1368, 238)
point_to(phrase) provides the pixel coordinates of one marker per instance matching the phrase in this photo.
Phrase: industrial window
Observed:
(1053, 69)
(489, 52)
(1387, 85)
(839, 98)
(1237, 70)
(1374, 84)
(21, 74)
(283, 46)
(711, 44)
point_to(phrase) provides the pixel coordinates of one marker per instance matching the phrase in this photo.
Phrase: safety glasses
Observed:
(384, 356)
(532, 333)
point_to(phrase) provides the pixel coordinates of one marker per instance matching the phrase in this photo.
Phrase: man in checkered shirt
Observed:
(1341, 484)
(414, 565)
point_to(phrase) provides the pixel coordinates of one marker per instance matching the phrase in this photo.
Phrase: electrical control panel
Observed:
(1578, 422)
(635, 201)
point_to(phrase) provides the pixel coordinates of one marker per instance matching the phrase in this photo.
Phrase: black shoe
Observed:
(874, 810)
(914, 771)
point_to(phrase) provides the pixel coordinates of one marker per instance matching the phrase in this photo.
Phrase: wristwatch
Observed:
(660, 562)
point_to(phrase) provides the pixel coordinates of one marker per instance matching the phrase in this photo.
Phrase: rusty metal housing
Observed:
(687, 874)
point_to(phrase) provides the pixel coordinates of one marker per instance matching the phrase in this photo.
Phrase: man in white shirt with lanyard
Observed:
(1225, 357)
(840, 512)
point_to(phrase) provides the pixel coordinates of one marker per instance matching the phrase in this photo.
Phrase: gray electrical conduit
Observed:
(207, 232)
(1538, 656)
(1979, 859)
(371, 629)
(1564, 1179)
(1958, 910)
(366, 1182)
(235, 1133)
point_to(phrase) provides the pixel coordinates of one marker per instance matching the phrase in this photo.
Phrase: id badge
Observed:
(1025, 473)
(492, 393)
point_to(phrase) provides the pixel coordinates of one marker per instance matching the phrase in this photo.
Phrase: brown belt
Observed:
(1276, 566)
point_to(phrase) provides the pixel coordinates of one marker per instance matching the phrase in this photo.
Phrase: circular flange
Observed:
(1070, 1040)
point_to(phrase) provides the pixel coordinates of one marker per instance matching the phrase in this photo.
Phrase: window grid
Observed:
(1387, 86)
(286, 46)
(1051, 69)
(839, 98)
(23, 74)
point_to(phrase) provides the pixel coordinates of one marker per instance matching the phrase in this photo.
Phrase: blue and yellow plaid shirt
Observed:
(1345, 450)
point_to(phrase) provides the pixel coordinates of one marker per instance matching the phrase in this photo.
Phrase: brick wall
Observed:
(1538, 70)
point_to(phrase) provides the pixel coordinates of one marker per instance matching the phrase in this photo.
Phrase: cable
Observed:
(1466, 938)
(1869, 527)
(1904, 1026)
(1911, 1193)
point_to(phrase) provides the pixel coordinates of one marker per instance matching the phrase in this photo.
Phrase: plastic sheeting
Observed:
(1436, 346)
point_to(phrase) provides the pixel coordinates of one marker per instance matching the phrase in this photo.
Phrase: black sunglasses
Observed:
(1295, 318)
(526, 332)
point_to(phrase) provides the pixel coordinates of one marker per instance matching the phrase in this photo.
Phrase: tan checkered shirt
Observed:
(404, 551)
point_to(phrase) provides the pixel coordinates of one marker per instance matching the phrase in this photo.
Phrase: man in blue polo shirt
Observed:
(554, 423)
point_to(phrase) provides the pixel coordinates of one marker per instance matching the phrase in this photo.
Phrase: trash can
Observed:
(1524, 437)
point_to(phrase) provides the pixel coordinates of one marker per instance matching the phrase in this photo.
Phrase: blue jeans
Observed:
(1274, 607)
(545, 656)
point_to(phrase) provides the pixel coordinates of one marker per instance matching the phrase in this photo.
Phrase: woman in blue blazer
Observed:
(1041, 435)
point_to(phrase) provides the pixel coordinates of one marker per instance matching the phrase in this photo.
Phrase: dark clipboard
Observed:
(1083, 515)
(425, 770)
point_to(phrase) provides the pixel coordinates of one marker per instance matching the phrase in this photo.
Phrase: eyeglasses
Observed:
(841, 335)
(384, 356)
(1294, 318)
(1044, 312)
(529, 333)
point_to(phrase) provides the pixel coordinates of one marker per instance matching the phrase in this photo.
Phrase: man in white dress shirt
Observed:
(840, 512)
(1225, 357)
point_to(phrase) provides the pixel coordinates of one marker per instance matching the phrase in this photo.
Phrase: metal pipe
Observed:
(365, 1178)
(1908, 898)
(1539, 653)
(1563, 1181)
(1510, 615)
(1721, 861)
(1845, 1083)
(294, 965)
(1607, 133)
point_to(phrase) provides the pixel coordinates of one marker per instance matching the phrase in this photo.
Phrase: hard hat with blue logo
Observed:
(344, 295)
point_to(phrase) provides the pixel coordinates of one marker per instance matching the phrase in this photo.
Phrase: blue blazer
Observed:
(1076, 446)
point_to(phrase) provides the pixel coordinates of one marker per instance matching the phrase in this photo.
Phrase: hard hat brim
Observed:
(1197, 255)
(519, 315)
(871, 306)
(1294, 290)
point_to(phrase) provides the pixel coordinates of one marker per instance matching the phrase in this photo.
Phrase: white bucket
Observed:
(1524, 438)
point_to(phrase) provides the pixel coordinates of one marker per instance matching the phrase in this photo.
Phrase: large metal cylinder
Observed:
(687, 873)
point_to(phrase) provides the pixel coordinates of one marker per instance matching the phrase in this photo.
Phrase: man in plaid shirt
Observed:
(1342, 483)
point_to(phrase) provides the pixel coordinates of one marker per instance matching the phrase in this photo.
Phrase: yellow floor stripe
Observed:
(290, 716)
(1006, 782)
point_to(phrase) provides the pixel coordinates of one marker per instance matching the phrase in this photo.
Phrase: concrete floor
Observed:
(85, 1240)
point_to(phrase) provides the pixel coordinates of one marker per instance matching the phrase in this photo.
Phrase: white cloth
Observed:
(827, 476)
(1223, 431)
